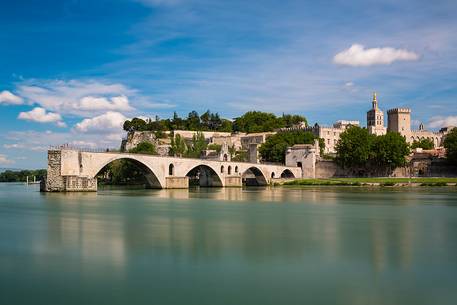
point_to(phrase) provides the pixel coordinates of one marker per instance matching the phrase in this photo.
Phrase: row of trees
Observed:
(253, 121)
(21, 175)
(359, 149)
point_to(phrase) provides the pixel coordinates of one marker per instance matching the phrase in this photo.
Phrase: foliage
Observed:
(274, 148)
(121, 172)
(354, 147)
(357, 148)
(450, 143)
(197, 146)
(216, 147)
(240, 156)
(21, 175)
(178, 146)
(389, 151)
(424, 144)
(257, 121)
(144, 148)
(253, 121)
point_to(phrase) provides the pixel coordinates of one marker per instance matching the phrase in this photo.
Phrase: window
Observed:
(236, 169)
(222, 169)
(171, 169)
(272, 175)
(229, 170)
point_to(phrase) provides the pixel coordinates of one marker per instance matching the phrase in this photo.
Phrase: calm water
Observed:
(229, 246)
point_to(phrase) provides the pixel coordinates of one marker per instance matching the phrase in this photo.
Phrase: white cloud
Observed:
(119, 103)
(443, 121)
(40, 115)
(110, 122)
(4, 160)
(357, 55)
(82, 98)
(6, 97)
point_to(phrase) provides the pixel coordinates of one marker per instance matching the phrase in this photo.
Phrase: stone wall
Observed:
(54, 181)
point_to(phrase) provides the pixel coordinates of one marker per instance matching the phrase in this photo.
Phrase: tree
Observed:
(389, 151)
(193, 121)
(144, 148)
(256, 121)
(354, 147)
(423, 143)
(216, 147)
(289, 120)
(197, 146)
(450, 143)
(178, 146)
(274, 148)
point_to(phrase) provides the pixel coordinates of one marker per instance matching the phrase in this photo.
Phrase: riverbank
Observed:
(397, 182)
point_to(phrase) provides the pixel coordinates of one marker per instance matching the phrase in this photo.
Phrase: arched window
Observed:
(171, 169)
(222, 169)
(225, 157)
(272, 175)
(229, 170)
(236, 169)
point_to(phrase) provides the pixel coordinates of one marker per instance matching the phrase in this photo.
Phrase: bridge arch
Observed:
(151, 179)
(204, 176)
(253, 176)
(287, 174)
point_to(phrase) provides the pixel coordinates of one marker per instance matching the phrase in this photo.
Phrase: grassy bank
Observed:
(374, 182)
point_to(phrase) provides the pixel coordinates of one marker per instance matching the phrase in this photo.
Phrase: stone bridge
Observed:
(73, 170)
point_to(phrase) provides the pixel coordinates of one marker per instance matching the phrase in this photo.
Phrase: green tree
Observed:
(274, 148)
(424, 144)
(178, 146)
(198, 145)
(289, 120)
(256, 121)
(450, 143)
(216, 147)
(193, 121)
(389, 151)
(354, 147)
(144, 148)
(240, 156)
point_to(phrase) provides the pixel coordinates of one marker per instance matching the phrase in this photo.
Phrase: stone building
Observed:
(375, 119)
(399, 120)
(330, 134)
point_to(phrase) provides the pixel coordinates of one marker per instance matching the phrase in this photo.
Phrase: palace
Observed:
(399, 120)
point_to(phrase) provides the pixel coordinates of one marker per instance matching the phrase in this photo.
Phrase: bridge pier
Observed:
(177, 182)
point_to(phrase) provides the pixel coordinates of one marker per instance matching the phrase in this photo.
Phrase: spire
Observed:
(375, 101)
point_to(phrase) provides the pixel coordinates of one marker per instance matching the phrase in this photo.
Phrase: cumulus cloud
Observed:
(358, 55)
(6, 97)
(40, 115)
(110, 122)
(443, 121)
(120, 103)
(4, 160)
(82, 98)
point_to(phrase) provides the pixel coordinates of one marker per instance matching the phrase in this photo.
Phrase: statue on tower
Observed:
(375, 101)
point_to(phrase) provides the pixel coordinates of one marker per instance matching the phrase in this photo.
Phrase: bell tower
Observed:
(375, 118)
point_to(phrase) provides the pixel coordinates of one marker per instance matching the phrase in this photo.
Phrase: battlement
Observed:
(399, 110)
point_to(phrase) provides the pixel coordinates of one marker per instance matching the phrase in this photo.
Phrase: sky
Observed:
(71, 71)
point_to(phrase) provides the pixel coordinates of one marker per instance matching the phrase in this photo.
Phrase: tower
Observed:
(375, 118)
(399, 120)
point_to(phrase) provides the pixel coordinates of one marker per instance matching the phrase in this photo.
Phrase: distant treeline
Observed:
(252, 121)
(21, 176)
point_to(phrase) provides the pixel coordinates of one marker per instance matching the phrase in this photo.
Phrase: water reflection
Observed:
(269, 246)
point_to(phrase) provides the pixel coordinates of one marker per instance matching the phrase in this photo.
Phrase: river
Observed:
(317, 245)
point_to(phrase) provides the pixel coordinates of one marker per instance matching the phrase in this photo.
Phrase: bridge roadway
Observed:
(73, 170)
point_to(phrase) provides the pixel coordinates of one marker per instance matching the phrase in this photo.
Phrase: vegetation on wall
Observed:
(274, 148)
(194, 149)
(424, 144)
(450, 143)
(21, 176)
(144, 148)
(253, 121)
(358, 149)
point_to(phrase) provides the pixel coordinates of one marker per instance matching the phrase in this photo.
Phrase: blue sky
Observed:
(72, 71)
